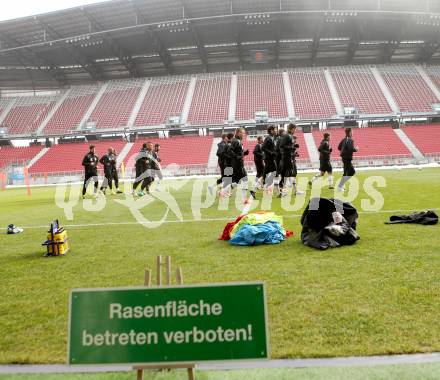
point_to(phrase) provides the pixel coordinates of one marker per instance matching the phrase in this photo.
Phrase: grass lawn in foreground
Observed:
(428, 371)
(380, 296)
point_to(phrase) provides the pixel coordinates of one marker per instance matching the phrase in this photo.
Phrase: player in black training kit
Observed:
(236, 154)
(270, 165)
(325, 165)
(150, 165)
(109, 161)
(289, 152)
(259, 164)
(141, 168)
(227, 179)
(90, 163)
(157, 167)
(222, 148)
(347, 148)
(278, 158)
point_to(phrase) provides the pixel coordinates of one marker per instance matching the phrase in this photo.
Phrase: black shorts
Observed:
(288, 169)
(139, 173)
(279, 166)
(93, 175)
(269, 166)
(239, 172)
(325, 166)
(348, 168)
(259, 166)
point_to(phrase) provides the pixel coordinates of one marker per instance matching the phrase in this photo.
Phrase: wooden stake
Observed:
(140, 374)
(179, 276)
(168, 270)
(159, 270)
(147, 282)
(147, 279)
(191, 374)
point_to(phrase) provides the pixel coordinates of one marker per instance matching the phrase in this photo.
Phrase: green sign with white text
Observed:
(168, 324)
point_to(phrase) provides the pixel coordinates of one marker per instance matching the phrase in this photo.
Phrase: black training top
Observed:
(324, 150)
(90, 162)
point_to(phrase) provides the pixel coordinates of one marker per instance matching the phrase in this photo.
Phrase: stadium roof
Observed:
(132, 38)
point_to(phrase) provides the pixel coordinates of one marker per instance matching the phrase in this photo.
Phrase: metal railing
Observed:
(174, 170)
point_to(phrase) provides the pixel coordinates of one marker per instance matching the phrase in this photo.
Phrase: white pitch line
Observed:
(208, 219)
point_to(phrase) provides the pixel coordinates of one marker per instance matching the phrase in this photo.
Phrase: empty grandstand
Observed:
(184, 72)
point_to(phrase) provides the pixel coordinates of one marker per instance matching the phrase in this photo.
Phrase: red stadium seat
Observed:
(210, 103)
(68, 157)
(177, 150)
(164, 98)
(70, 113)
(116, 104)
(408, 88)
(262, 91)
(19, 156)
(372, 141)
(311, 95)
(425, 137)
(357, 87)
(28, 113)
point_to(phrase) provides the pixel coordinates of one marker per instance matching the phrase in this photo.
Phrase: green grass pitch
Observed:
(380, 296)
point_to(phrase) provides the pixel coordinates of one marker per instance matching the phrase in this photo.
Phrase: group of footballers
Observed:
(109, 161)
(147, 168)
(274, 158)
(275, 162)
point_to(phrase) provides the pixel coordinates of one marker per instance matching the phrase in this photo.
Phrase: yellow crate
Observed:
(61, 236)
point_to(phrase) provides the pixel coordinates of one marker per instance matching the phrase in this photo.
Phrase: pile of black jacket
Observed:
(427, 218)
(319, 229)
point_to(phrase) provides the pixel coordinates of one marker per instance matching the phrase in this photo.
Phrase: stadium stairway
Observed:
(53, 111)
(233, 97)
(383, 86)
(40, 154)
(138, 103)
(288, 95)
(10, 155)
(123, 153)
(311, 148)
(65, 158)
(410, 145)
(428, 81)
(6, 110)
(333, 92)
(425, 137)
(188, 100)
(213, 159)
(93, 105)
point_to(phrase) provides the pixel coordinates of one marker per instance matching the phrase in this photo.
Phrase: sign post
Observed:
(147, 282)
(168, 327)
